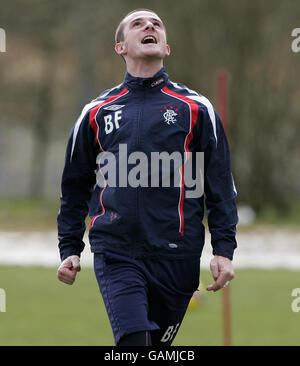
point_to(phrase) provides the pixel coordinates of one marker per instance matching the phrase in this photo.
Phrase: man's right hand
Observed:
(68, 269)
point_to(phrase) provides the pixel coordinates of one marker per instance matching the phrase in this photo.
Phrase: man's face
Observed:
(144, 37)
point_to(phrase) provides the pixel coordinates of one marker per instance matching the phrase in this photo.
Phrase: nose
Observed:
(149, 25)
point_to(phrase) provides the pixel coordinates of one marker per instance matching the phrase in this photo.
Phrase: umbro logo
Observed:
(157, 82)
(114, 107)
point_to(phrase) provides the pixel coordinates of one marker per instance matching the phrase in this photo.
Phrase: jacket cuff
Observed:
(66, 252)
(224, 249)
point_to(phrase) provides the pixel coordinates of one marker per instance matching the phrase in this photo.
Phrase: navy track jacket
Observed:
(147, 115)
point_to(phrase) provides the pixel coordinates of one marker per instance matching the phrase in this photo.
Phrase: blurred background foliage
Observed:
(60, 55)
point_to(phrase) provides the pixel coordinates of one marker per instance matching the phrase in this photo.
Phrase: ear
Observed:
(120, 48)
(168, 50)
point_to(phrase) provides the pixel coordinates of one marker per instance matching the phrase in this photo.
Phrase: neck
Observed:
(144, 68)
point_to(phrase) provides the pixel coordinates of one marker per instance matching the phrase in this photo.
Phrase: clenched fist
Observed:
(68, 269)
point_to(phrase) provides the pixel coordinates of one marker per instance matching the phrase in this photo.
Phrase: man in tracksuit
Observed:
(146, 238)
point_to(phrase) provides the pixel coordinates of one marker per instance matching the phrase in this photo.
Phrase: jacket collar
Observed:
(158, 80)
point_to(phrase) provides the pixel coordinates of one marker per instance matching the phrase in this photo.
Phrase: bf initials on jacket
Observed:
(112, 121)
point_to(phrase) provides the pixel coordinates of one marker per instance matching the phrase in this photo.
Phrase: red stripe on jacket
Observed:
(194, 109)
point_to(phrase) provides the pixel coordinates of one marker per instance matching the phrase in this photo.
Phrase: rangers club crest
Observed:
(169, 114)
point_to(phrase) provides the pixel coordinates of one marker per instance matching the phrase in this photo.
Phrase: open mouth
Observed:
(149, 39)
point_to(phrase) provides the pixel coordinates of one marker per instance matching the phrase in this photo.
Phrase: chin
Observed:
(153, 54)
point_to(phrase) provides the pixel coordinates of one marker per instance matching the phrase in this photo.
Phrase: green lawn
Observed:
(42, 311)
(31, 214)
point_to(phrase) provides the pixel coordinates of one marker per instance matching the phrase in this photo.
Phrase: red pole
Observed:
(222, 110)
(222, 98)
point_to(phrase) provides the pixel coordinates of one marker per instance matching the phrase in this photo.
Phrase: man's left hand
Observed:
(222, 271)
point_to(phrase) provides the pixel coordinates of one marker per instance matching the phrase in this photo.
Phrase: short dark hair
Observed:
(119, 36)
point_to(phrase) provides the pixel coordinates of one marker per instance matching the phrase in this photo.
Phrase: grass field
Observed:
(42, 311)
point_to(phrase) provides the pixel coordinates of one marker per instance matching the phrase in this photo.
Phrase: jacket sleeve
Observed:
(219, 188)
(78, 180)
